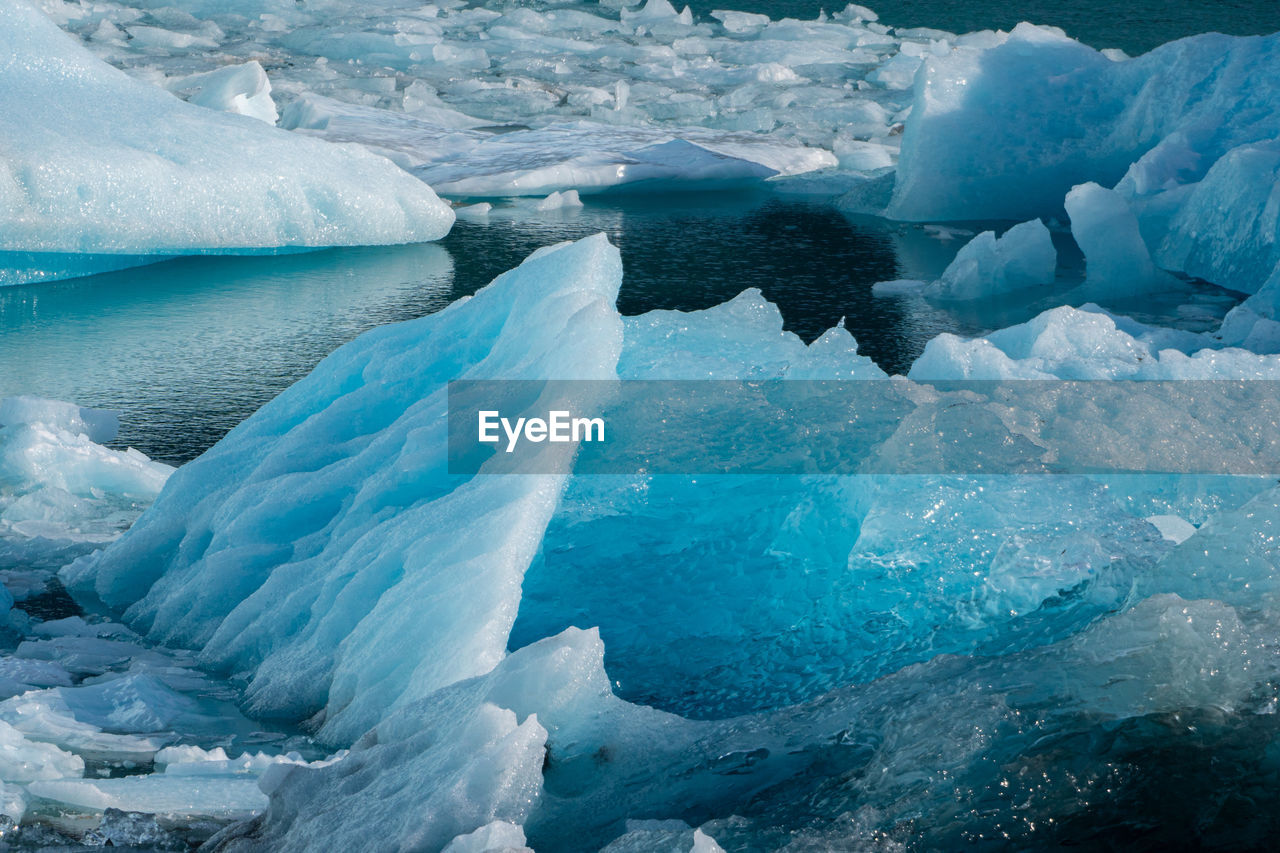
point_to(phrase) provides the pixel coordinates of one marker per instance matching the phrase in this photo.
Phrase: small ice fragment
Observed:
(1176, 530)
(898, 287)
(560, 201)
(474, 211)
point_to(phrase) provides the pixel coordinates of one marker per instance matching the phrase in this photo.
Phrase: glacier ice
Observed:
(96, 162)
(1062, 114)
(848, 653)
(241, 89)
(1087, 343)
(62, 492)
(581, 156)
(357, 451)
(775, 92)
(987, 265)
(806, 629)
(1116, 257)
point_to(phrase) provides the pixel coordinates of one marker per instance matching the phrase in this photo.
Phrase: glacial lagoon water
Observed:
(185, 349)
(1134, 27)
(984, 665)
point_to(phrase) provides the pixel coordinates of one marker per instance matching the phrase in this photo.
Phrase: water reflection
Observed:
(188, 348)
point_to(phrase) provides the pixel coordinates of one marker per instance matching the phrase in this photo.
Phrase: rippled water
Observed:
(1135, 26)
(188, 348)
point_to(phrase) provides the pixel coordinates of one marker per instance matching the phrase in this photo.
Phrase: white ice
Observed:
(95, 161)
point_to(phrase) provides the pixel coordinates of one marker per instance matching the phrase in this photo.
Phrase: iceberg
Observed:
(1061, 114)
(1116, 258)
(1087, 343)
(1021, 258)
(97, 163)
(349, 466)
(569, 662)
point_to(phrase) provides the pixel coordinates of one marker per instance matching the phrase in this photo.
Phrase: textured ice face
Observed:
(61, 492)
(1029, 123)
(349, 466)
(1021, 258)
(1061, 114)
(97, 162)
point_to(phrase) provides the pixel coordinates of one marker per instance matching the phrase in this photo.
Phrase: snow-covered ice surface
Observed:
(97, 163)
(502, 100)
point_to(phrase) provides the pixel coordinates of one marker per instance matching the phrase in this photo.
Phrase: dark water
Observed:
(1135, 26)
(188, 348)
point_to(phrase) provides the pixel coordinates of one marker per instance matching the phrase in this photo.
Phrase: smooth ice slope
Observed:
(93, 161)
(325, 529)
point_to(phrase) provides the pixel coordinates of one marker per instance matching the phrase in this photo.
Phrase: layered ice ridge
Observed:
(313, 536)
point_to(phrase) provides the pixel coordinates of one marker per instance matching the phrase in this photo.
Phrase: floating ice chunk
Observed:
(62, 492)
(497, 836)
(1086, 343)
(132, 829)
(23, 760)
(159, 38)
(48, 716)
(131, 703)
(898, 72)
(560, 201)
(456, 761)
(658, 12)
(475, 212)
(1062, 114)
(1232, 557)
(740, 22)
(899, 287)
(241, 89)
(742, 338)
(1023, 257)
(75, 626)
(194, 761)
(423, 782)
(13, 802)
(98, 162)
(18, 675)
(1177, 530)
(1255, 323)
(378, 528)
(98, 425)
(673, 835)
(1117, 261)
(1226, 230)
(158, 794)
(585, 156)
